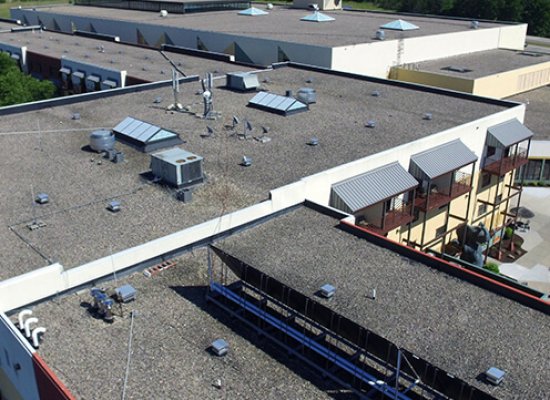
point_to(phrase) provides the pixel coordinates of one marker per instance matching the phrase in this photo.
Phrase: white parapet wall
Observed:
(53, 279)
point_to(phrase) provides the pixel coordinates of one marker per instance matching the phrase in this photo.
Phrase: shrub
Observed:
(508, 232)
(493, 267)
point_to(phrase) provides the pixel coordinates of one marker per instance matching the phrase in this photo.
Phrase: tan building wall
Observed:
(432, 79)
(499, 85)
(7, 390)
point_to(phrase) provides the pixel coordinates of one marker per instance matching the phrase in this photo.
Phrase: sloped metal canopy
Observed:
(109, 83)
(93, 78)
(253, 12)
(441, 160)
(361, 191)
(276, 103)
(65, 70)
(507, 134)
(399, 25)
(78, 74)
(317, 17)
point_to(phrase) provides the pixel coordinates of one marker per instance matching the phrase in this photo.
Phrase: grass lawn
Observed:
(5, 7)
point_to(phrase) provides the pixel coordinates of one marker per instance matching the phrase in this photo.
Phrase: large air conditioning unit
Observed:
(177, 167)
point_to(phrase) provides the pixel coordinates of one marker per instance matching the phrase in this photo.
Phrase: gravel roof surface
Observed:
(451, 323)
(79, 229)
(171, 334)
(146, 64)
(483, 63)
(282, 24)
(537, 111)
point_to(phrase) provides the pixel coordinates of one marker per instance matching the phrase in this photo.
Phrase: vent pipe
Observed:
(289, 93)
(37, 334)
(22, 315)
(28, 322)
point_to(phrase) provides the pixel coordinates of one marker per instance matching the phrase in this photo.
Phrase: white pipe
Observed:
(35, 338)
(28, 322)
(23, 314)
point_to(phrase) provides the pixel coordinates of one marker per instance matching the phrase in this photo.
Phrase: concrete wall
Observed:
(377, 58)
(250, 49)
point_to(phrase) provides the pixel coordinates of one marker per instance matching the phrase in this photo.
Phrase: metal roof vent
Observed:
(307, 95)
(42, 198)
(495, 375)
(375, 93)
(327, 291)
(163, 13)
(314, 141)
(125, 293)
(371, 124)
(474, 24)
(75, 117)
(247, 161)
(157, 100)
(242, 81)
(427, 116)
(102, 140)
(219, 347)
(380, 34)
(114, 206)
(269, 6)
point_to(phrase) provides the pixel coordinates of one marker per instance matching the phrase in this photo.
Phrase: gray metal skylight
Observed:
(276, 103)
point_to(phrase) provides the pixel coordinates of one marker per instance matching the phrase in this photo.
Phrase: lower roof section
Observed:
(433, 315)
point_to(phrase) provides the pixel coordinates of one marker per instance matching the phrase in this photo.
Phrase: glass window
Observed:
(482, 209)
(546, 171)
(485, 180)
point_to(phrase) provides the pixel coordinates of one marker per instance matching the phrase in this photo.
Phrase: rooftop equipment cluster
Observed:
(104, 301)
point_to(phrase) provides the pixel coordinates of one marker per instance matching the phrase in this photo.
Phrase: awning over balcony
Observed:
(507, 134)
(440, 160)
(370, 188)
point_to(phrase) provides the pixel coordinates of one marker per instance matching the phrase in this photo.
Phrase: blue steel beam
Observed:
(344, 364)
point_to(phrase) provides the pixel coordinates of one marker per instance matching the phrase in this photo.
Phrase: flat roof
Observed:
(483, 63)
(451, 323)
(142, 63)
(172, 331)
(283, 24)
(537, 110)
(79, 229)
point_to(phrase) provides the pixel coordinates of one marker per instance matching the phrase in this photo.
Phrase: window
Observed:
(440, 231)
(481, 209)
(491, 151)
(498, 199)
(485, 180)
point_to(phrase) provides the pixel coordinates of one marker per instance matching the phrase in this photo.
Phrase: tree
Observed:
(17, 87)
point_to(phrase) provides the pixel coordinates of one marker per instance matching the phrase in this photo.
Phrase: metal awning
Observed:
(65, 70)
(93, 78)
(440, 160)
(78, 74)
(507, 134)
(372, 187)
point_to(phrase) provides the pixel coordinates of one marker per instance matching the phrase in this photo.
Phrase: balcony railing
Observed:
(506, 164)
(441, 196)
(398, 216)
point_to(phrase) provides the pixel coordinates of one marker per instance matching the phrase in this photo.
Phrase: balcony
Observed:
(504, 165)
(394, 218)
(440, 197)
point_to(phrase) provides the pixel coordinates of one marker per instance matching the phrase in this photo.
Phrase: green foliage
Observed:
(493, 267)
(508, 232)
(17, 87)
(536, 13)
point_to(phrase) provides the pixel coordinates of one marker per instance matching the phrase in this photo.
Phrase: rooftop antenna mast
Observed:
(177, 106)
(207, 97)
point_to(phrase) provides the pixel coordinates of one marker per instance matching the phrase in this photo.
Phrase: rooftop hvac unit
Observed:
(495, 375)
(220, 347)
(327, 291)
(125, 293)
(242, 81)
(380, 34)
(177, 167)
(307, 95)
